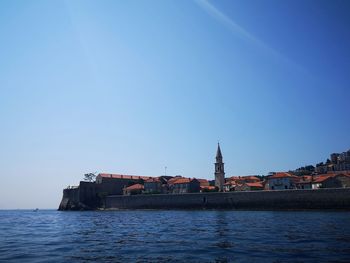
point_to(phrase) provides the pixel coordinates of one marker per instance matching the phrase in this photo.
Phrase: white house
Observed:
(281, 181)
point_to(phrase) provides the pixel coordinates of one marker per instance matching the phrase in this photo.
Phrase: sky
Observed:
(135, 86)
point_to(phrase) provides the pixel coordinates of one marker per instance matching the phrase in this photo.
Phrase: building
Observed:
(205, 186)
(281, 181)
(133, 189)
(153, 186)
(243, 179)
(249, 187)
(229, 186)
(337, 181)
(203, 182)
(318, 180)
(337, 162)
(303, 182)
(219, 170)
(113, 184)
(184, 185)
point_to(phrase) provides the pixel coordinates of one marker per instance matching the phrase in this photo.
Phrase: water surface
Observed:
(174, 236)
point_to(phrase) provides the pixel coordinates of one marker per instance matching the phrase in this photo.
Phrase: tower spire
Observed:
(218, 153)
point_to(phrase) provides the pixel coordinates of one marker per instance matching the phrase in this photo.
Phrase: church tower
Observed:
(219, 170)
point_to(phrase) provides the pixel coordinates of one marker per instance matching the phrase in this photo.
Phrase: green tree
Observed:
(90, 177)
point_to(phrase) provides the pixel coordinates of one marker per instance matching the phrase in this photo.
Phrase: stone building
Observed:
(219, 170)
(184, 185)
(304, 182)
(337, 162)
(113, 184)
(336, 181)
(281, 181)
(133, 189)
(229, 186)
(153, 186)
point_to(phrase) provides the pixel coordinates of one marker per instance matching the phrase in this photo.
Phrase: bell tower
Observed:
(219, 170)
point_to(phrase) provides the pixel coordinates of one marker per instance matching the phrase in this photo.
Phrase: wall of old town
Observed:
(286, 199)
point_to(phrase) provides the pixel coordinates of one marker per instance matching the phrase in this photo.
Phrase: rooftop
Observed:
(124, 176)
(135, 187)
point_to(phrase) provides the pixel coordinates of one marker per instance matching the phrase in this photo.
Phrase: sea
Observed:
(174, 236)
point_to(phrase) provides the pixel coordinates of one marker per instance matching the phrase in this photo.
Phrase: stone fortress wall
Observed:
(337, 198)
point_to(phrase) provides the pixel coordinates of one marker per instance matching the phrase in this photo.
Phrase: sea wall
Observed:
(70, 199)
(338, 198)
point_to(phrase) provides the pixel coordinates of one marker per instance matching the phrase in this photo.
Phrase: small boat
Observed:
(36, 210)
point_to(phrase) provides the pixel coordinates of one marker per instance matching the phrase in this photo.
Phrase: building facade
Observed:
(281, 181)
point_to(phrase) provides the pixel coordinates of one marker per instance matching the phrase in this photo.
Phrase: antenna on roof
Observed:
(165, 170)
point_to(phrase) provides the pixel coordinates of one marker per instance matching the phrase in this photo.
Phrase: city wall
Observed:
(338, 198)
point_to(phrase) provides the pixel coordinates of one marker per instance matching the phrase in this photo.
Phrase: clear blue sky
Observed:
(133, 86)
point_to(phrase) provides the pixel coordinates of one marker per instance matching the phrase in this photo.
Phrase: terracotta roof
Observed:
(135, 187)
(254, 184)
(203, 182)
(174, 179)
(243, 178)
(322, 177)
(124, 176)
(250, 177)
(182, 181)
(306, 179)
(282, 175)
(153, 180)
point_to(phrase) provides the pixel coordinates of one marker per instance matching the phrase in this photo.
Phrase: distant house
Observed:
(229, 186)
(203, 182)
(184, 185)
(318, 180)
(337, 181)
(243, 179)
(249, 187)
(281, 181)
(205, 186)
(153, 186)
(134, 189)
(303, 182)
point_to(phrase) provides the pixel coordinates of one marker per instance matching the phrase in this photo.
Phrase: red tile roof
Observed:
(282, 175)
(135, 187)
(124, 176)
(153, 180)
(203, 182)
(243, 178)
(174, 179)
(306, 179)
(250, 177)
(182, 181)
(322, 177)
(255, 185)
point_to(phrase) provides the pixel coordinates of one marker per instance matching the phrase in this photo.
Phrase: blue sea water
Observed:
(174, 236)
